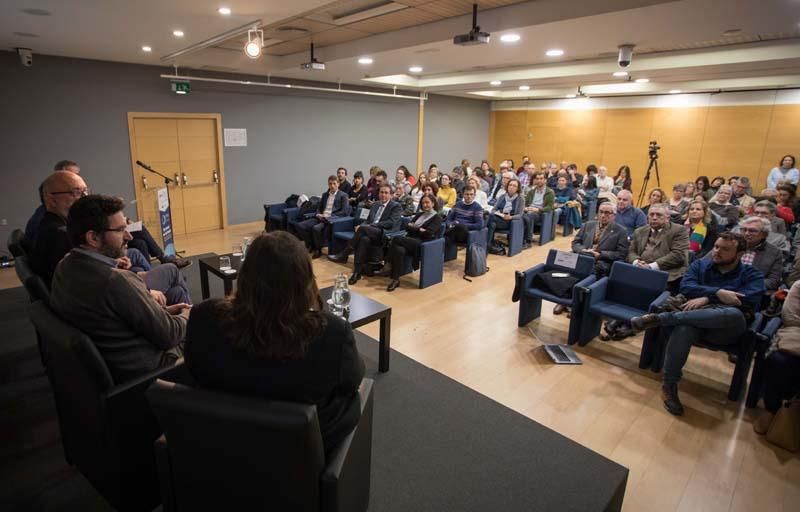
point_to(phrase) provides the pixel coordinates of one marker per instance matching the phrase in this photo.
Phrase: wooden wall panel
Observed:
(583, 134)
(783, 138)
(734, 140)
(679, 131)
(627, 135)
(510, 128)
(543, 135)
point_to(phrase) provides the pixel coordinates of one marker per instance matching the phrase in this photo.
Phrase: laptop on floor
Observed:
(562, 354)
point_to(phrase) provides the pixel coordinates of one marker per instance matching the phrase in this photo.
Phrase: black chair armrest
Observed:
(164, 468)
(345, 481)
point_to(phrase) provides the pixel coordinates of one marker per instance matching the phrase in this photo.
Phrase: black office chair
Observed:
(233, 452)
(107, 429)
(16, 243)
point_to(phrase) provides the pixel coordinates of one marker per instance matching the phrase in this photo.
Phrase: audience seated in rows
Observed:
(660, 245)
(539, 200)
(465, 216)
(316, 229)
(423, 226)
(508, 208)
(603, 239)
(272, 339)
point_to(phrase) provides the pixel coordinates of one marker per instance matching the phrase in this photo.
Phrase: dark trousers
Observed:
(144, 242)
(401, 247)
(457, 233)
(781, 379)
(720, 325)
(496, 223)
(314, 232)
(365, 239)
(531, 220)
(167, 279)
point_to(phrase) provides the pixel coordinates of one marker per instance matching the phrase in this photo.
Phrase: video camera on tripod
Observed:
(653, 149)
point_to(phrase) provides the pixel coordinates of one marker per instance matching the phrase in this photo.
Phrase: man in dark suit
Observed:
(384, 215)
(661, 245)
(316, 229)
(603, 239)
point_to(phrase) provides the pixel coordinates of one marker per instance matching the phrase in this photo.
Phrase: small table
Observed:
(211, 264)
(363, 311)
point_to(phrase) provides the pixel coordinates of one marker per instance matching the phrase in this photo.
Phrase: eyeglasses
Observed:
(116, 230)
(605, 212)
(750, 230)
(74, 192)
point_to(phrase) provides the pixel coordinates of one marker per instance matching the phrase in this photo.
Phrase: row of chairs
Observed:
(161, 439)
(630, 291)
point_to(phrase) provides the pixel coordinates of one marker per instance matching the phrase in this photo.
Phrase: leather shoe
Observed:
(560, 308)
(178, 262)
(316, 254)
(393, 285)
(672, 403)
(644, 322)
(339, 258)
(354, 278)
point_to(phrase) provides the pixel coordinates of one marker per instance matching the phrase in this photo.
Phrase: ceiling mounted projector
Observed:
(474, 36)
(313, 64)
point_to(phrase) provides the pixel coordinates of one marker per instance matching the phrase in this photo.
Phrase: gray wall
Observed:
(77, 109)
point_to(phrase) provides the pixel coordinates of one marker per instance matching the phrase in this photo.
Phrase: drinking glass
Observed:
(224, 262)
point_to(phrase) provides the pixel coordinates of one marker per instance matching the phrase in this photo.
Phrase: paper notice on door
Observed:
(235, 137)
(133, 227)
(566, 259)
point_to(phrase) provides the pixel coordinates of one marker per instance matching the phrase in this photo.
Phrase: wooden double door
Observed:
(188, 149)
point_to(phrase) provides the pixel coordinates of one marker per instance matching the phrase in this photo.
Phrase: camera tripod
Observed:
(653, 164)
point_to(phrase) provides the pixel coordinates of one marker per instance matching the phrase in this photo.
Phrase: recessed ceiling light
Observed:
(510, 38)
(225, 11)
(146, 49)
(177, 33)
(496, 82)
(569, 96)
(675, 91)
(642, 80)
(415, 69)
(554, 52)
(365, 60)
(524, 87)
(620, 73)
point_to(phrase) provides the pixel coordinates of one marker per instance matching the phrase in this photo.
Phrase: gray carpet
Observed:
(437, 445)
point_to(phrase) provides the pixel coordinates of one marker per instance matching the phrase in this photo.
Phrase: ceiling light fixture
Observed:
(365, 61)
(146, 49)
(554, 52)
(255, 41)
(415, 69)
(642, 80)
(495, 82)
(524, 87)
(620, 73)
(225, 11)
(510, 38)
(177, 33)
(675, 91)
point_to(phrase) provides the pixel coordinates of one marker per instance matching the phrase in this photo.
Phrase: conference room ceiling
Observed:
(687, 45)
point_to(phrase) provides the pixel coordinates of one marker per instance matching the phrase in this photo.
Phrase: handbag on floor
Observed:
(784, 431)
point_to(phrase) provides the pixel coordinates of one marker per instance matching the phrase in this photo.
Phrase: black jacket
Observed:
(328, 375)
(432, 227)
(390, 217)
(613, 245)
(50, 245)
(341, 206)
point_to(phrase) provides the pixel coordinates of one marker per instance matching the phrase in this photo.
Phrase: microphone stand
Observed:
(167, 181)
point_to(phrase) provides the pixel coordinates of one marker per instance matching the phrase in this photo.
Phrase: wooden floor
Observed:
(708, 460)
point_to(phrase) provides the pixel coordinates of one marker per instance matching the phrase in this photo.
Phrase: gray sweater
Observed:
(113, 307)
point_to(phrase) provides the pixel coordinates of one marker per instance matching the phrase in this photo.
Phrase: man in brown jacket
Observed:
(661, 245)
(133, 332)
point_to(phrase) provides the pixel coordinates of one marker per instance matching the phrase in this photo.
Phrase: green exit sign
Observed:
(181, 86)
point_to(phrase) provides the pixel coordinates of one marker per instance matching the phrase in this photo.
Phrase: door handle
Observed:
(177, 180)
(144, 182)
(185, 179)
(214, 176)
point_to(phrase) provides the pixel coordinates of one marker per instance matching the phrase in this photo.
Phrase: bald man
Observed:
(59, 192)
(628, 216)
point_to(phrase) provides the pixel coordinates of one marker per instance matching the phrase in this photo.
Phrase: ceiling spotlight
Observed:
(225, 11)
(177, 33)
(365, 60)
(496, 82)
(146, 49)
(570, 96)
(255, 41)
(415, 69)
(554, 52)
(620, 73)
(642, 80)
(675, 91)
(510, 38)
(524, 87)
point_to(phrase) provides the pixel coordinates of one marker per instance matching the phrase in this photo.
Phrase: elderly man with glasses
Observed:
(603, 239)
(760, 253)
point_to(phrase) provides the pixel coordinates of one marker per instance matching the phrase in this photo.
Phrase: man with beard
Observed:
(132, 331)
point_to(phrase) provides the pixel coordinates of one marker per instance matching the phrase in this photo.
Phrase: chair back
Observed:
(32, 282)
(583, 268)
(79, 378)
(239, 453)
(634, 286)
(15, 243)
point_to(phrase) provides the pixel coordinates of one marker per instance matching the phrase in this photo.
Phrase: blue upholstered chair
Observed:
(431, 261)
(515, 235)
(628, 291)
(530, 297)
(548, 228)
(591, 209)
(477, 236)
(763, 340)
(275, 216)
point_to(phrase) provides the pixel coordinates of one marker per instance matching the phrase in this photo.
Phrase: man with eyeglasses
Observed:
(603, 239)
(760, 253)
(661, 245)
(133, 332)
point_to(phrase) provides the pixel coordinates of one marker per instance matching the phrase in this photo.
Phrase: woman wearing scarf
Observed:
(425, 225)
(702, 232)
(721, 205)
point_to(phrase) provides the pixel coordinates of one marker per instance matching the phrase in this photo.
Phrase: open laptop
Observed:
(562, 354)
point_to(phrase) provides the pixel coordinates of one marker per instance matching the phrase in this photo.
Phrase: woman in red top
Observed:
(786, 203)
